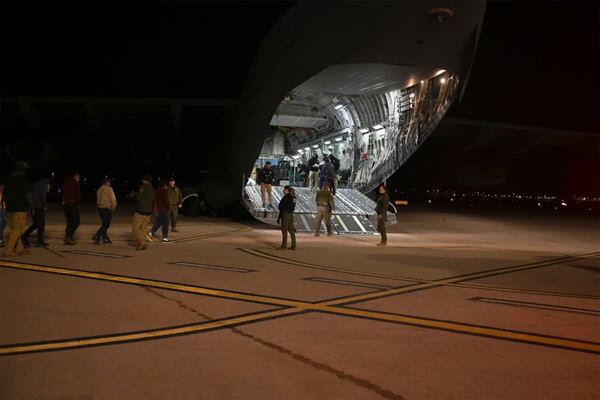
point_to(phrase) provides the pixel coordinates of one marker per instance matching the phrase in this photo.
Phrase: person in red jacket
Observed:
(161, 212)
(71, 202)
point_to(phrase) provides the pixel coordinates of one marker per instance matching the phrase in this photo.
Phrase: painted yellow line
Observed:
(205, 326)
(468, 329)
(295, 306)
(453, 281)
(155, 284)
(211, 235)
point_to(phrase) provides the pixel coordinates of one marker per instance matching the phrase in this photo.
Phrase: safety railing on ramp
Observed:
(354, 212)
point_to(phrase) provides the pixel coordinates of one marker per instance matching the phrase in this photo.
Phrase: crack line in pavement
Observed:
(298, 357)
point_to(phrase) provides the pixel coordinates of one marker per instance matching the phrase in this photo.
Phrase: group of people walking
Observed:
(18, 199)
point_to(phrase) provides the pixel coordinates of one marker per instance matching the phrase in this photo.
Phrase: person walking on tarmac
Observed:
(143, 211)
(39, 201)
(383, 202)
(174, 202)
(71, 202)
(286, 217)
(266, 177)
(16, 194)
(325, 206)
(313, 175)
(106, 202)
(161, 212)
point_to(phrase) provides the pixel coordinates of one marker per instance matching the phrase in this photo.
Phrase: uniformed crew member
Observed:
(325, 206)
(286, 217)
(383, 202)
(266, 177)
(174, 203)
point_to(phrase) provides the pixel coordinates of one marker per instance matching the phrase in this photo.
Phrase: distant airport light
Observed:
(327, 142)
(364, 130)
(338, 106)
(562, 203)
(315, 146)
(377, 127)
(338, 139)
(307, 148)
(443, 80)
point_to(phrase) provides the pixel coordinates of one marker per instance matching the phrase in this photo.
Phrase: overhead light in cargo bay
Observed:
(300, 151)
(377, 127)
(295, 157)
(412, 95)
(327, 142)
(339, 106)
(315, 146)
(338, 139)
(307, 148)
(443, 80)
(364, 130)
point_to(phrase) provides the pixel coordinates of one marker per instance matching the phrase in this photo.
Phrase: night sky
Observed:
(536, 65)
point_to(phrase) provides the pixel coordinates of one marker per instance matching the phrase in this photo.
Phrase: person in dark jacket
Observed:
(327, 174)
(71, 203)
(16, 194)
(313, 174)
(266, 177)
(143, 211)
(39, 201)
(161, 212)
(286, 217)
(383, 202)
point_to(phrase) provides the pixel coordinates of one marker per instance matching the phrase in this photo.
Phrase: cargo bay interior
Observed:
(371, 117)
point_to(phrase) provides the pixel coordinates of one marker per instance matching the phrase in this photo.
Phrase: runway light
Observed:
(364, 130)
(377, 127)
(562, 203)
(327, 142)
(307, 148)
(338, 139)
(338, 106)
(443, 80)
(315, 146)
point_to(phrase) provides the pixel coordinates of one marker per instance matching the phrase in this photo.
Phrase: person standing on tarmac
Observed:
(383, 202)
(106, 202)
(143, 211)
(286, 217)
(266, 177)
(325, 206)
(71, 203)
(174, 202)
(161, 212)
(39, 202)
(16, 196)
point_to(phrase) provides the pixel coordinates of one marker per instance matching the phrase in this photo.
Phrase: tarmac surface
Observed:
(456, 307)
